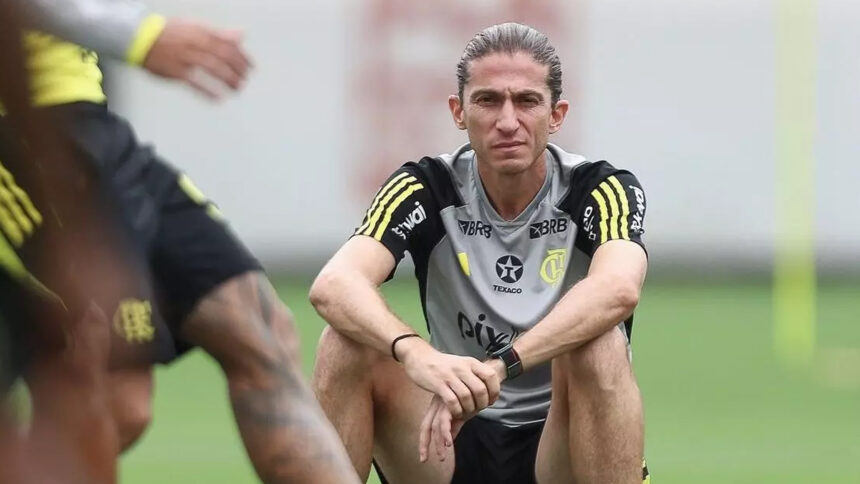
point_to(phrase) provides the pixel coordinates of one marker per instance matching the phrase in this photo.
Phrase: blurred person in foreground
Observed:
(65, 339)
(529, 262)
(207, 290)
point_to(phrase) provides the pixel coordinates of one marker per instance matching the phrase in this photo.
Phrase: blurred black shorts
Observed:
(174, 238)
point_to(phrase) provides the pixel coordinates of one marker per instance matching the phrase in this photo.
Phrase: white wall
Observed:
(679, 91)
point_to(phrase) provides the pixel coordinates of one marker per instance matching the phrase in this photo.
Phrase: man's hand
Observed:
(439, 427)
(205, 58)
(464, 384)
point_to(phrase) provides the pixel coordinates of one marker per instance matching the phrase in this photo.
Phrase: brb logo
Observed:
(487, 337)
(475, 227)
(547, 227)
(410, 221)
(509, 268)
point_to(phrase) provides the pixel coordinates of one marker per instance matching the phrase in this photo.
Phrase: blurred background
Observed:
(739, 117)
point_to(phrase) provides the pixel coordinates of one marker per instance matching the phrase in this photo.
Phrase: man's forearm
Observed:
(286, 435)
(589, 309)
(354, 307)
(107, 26)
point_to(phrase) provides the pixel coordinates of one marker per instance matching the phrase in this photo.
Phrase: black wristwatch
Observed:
(509, 356)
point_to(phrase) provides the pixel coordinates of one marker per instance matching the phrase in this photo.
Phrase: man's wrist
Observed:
(510, 359)
(499, 367)
(147, 33)
(405, 348)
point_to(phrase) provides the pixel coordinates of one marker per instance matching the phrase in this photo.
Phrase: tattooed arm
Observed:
(244, 326)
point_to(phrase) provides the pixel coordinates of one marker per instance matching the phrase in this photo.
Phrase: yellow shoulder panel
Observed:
(62, 72)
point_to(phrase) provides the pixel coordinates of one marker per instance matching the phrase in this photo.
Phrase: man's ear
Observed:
(456, 108)
(558, 114)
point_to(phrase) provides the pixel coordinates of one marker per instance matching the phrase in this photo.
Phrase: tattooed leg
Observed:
(246, 328)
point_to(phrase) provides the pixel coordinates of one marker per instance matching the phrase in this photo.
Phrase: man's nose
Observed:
(507, 121)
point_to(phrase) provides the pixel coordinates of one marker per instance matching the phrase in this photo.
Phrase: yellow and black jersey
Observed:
(172, 236)
(483, 279)
(62, 72)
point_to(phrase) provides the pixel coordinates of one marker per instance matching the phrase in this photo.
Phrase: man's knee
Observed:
(131, 404)
(601, 365)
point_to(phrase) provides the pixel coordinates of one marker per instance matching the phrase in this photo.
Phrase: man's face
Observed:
(507, 111)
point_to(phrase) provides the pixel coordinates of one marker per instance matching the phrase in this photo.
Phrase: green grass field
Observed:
(719, 409)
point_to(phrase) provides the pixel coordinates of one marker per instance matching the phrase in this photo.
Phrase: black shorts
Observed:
(488, 452)
(176, 239)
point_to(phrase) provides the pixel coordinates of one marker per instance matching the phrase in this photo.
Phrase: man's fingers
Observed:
(195, 78)
(232, 35)
(216, 68)
(425, 432)
(445, 429)
(479, 391)
(438, 424)
(228, 46)
(464, 396)
(450, 399)
(456, 425)
(490, 379)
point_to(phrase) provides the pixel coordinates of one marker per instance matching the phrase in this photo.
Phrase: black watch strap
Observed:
(509, 356)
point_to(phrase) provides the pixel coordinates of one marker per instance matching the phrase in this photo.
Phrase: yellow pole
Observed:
(794, 278)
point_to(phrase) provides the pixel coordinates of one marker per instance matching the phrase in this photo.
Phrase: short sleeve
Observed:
(613, 209)
(397, 216)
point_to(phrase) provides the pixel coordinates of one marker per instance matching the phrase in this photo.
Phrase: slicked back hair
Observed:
(511, 38)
